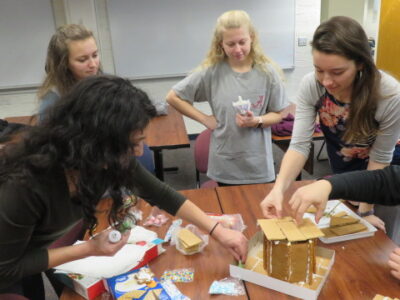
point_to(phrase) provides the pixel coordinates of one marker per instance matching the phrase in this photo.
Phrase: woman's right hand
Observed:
(210, 122)
(376, 221)
(101, 246)
(271, 206)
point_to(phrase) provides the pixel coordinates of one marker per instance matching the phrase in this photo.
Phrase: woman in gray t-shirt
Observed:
(358, 107)
(241, 147)
(72, 55)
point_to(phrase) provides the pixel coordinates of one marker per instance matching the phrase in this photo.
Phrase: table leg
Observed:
(158, 164)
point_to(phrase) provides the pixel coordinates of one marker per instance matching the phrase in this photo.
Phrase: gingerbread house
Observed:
(289, 250)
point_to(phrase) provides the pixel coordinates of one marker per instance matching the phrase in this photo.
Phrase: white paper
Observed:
(139, 233)
(106, 266)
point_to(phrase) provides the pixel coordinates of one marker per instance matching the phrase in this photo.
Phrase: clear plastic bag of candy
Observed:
(228, 286)
(156, 218)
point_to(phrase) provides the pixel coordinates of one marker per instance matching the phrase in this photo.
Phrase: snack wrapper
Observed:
(241, 106)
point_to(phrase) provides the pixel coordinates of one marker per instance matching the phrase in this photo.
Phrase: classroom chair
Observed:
(147, 159)
(201, 151)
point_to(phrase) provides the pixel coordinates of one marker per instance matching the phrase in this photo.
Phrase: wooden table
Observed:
(163, 132)
(166, 132)
(27, 120)
(212, 264)
(360, 269)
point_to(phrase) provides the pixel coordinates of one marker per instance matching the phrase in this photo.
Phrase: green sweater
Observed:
(36, 212)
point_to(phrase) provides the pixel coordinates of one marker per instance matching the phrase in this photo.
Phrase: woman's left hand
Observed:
(377, 222)
(247, 120)
(233, 240)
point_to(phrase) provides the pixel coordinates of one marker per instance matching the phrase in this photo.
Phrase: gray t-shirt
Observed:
(237, 155)
(387, 115)
(47, 101)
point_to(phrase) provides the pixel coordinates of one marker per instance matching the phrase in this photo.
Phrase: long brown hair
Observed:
(345, 37)
(58, 74)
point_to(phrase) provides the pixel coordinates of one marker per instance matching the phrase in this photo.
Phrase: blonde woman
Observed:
(240, 149)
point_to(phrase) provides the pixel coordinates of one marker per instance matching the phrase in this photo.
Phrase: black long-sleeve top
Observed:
(374, 187)
(36, 212)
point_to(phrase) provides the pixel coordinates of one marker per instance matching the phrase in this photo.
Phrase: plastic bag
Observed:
(173, 292)
(232, 221)
(203, 237)
(156, 218)
(228, 286)
(178, 275)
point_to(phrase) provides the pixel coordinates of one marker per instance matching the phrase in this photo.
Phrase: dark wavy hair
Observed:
(87, 131)
(345, 37)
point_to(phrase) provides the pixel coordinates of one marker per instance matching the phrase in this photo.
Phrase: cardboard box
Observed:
(86, 286)
(325, 260)
(126, 286)
(91, 287)
(325, 221)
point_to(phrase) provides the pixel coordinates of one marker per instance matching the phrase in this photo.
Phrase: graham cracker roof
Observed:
(286, 228)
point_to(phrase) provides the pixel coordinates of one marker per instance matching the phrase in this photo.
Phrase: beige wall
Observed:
(388, 49)
(350, 8)
(366, 12)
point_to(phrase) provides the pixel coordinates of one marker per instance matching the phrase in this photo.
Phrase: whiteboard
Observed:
(164, 38)
(26, 27)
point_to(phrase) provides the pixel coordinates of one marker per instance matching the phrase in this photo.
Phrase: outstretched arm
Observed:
(291, 165)
(366, 207)
(99, 245)
(233, 240)
(373, 187)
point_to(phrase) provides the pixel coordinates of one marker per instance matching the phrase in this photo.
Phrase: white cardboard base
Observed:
(324, 222)
(280, 285)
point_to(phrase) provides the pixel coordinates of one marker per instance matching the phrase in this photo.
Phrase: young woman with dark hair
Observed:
(358, 108)
(57, 174)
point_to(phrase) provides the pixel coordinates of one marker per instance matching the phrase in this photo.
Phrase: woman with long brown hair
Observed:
(358, 107)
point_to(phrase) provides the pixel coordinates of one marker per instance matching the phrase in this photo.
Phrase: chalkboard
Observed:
(26, 27)
(163, 38)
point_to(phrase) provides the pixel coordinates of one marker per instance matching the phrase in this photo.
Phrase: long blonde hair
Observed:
(58, 74)
(231, 20)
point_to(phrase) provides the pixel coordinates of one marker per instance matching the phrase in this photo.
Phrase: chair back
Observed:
(147, 159)
(201, 150)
